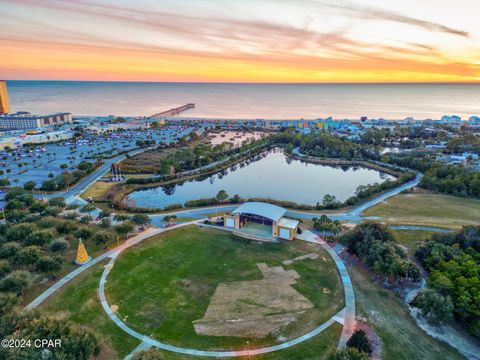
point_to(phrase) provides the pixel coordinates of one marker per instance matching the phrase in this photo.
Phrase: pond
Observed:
(271, 175)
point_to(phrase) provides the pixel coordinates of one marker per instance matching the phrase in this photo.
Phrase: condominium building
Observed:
(4, 103)
(24, 120)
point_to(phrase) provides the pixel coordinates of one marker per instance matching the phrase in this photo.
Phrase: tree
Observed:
(331, 202)
(28, 256)
(4, 182)
(436, 308)
(29, 185)
(349, 354)
(104, 214)
(8, 302)
(141, 219)
(87, 208)
(72, 206)
(84, 233)
(59, 245)
(77, 342)
(57, 201)
(66, 227)
(49, 185)
(19, 232)
(221, 196)
(105, 223)
(63, 166)
(150, 354)
(121, 217)
(37, 207)
(39, 237)
(360, 342)
(86, 219)
(14, 216)
(51, 211)
(16, 282)
(102, 237)
(14, 205)
(170, 218)
(10, 249)
(5, 268)
(124, 228)
(49, 264)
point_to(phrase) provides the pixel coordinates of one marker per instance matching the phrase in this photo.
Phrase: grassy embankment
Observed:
(389, 316)
(427, 209)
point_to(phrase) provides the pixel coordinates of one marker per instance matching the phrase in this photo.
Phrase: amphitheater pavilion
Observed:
(262, 220)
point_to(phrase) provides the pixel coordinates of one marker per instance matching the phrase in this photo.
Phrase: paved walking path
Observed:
(134, 240)
(346, 316)
(146, 340)
(349, 311)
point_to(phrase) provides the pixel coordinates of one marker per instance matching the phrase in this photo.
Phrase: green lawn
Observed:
(428, 210)
(147, 283)
(388, 315)
(317, 348)
(78, 301)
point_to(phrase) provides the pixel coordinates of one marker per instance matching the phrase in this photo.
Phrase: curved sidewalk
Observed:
(343, 316)
(349, 315)
(132, 241)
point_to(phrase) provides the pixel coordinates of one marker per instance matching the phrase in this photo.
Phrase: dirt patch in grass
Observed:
(156, 313)
(196, 287)
(254, 308)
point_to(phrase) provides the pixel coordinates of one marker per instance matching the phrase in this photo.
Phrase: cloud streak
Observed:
(370, 12)
(208, 45)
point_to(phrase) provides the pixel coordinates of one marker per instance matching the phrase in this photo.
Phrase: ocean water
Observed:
(267, 101)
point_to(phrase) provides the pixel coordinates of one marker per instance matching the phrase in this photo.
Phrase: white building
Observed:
(23, 120)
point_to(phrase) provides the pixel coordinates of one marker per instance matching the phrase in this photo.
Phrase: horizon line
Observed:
(262, 83)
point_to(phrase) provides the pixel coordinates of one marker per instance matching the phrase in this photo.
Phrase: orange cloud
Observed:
(213, 48)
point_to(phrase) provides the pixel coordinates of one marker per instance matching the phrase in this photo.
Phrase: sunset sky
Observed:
(241, 41)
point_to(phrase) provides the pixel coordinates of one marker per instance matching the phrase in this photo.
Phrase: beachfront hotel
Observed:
(25, 120)
(4, 103)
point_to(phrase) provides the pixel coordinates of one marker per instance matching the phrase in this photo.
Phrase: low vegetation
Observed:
(69, 178)
(388, 315)
(453, 261)
(375, 245)
(453, 179)
(39, 240)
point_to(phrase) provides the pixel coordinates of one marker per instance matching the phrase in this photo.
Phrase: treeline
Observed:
(183, 159)
(452, 179)
(453, 262)
(235, 156)
(67, 178)
(20, 327)
(375, 245)
(40, 237)
(325, 145)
